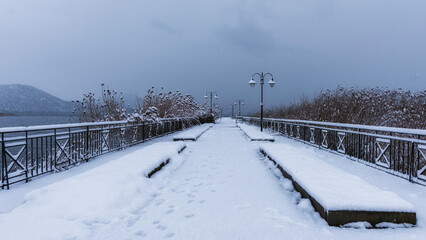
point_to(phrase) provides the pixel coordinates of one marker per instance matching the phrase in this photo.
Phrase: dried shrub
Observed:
(369, 106)
(110, 107)
(154, 106)
(169, 104)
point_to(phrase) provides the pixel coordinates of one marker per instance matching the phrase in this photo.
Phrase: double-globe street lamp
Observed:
(210, 94)
(252, 83)
(240, 102)
(232, 107)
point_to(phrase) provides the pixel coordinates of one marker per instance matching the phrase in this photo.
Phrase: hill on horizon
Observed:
(22, 99)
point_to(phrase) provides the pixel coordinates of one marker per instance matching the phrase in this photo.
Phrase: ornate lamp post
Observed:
(232, 107)
(252, 83)
(240, 102)
(210, 94)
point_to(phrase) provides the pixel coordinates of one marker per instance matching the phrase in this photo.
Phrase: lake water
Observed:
(18, 121)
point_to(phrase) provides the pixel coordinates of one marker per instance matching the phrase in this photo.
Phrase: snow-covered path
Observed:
(222, 191)
(219, 188)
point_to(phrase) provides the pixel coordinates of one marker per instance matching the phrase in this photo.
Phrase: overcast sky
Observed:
(69, 47)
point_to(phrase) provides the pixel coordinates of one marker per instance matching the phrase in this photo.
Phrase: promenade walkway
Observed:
(220, 187)
(222, 191)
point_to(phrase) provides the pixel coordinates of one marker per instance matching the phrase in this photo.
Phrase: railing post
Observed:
(2, 163)
(359, 145)
(110, 135)
(5, 176)
(123, 136)
(87, 144)
(411, 163)
(69, 146)
(26, 156)
(56, 153)
(143, 131)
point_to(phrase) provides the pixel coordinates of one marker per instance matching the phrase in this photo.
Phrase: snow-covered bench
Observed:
(193, 133)
(255, 134)
(148, 160)
(338, 196)
(159, 154)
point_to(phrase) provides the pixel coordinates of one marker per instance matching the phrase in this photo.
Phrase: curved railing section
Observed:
(399, 151)
(27, 152)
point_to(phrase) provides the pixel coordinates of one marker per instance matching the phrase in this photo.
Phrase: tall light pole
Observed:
(233, 109)
(252, 83)
(210, 94)
(240, 102)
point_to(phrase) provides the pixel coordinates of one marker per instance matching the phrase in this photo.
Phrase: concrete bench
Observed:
(193, 133)
(158, 155)
(255, 134)
(338, 196)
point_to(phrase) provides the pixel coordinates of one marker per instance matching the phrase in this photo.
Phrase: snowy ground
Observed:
(220, 188)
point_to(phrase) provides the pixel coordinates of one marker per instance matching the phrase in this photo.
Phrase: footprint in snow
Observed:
(244, 206)
(132, 221)
(190, 201)
(159, 202)
(95, 222)
(161, 227)
(170, 211)
(189, 216)
(169, 235)
(156, 222)
(190, 195)
(140, 233)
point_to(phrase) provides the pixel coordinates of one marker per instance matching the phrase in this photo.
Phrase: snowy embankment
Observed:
(254, 133)
(107, 194)
(193, 133)
(334, 190)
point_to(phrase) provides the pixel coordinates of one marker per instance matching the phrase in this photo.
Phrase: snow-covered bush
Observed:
(370, 106)
(151, 114)
(168, 105)
(154, 106)
(89, 109)
(110, 107)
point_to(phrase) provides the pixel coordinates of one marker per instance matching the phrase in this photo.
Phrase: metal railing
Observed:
(27, 152)
(399, 151)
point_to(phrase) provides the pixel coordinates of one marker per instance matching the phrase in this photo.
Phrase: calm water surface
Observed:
(18, 121)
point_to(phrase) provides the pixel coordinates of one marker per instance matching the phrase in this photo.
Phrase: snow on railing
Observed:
(399, 151)
(27, 152)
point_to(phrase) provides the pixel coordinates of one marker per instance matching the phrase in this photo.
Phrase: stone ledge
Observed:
(149, 175)
(342, 217)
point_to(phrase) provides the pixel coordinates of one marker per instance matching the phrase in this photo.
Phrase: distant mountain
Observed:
(27, 100)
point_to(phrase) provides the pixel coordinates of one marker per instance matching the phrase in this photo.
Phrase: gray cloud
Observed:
(160, 25)
(248, 36)
(70, 47)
